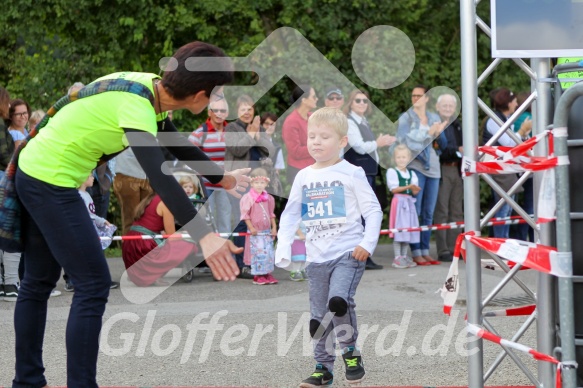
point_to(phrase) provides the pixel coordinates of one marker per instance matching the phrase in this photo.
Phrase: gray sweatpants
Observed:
(10, 262)
(332, 288)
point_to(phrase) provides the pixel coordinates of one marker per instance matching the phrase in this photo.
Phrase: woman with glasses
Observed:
(19, 113)
(362, 148)
(295, 131)
(422, 132)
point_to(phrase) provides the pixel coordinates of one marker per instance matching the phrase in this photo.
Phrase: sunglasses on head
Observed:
(218, 110)
(332, 98)
(361, 100)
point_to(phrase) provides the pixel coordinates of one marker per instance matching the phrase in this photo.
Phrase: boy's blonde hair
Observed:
(402, 147)
(330, 117)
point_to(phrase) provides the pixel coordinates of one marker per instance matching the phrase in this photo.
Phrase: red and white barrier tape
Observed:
(481, 333)
(511, 312)
(511, 160)
(459, 225)
(452, 225)
(536, 256)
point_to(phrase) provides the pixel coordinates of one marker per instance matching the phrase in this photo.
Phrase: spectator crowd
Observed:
(423, 183)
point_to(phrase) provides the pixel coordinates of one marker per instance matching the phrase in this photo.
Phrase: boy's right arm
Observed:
(288, 225)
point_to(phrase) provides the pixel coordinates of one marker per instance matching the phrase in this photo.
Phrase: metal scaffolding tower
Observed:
(546, 301)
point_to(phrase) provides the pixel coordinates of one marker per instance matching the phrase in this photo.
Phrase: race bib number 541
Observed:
(323, 206)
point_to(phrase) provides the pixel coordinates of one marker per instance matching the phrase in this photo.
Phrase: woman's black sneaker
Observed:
(245, 273)
(321, 377)
(354, 365)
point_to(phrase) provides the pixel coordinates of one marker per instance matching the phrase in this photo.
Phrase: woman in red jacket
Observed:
(295, 131)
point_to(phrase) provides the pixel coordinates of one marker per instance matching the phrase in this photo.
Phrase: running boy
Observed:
(330, 197)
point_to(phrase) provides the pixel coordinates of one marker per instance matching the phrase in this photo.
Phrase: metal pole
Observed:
(469, 73)
(566, 316)
(545, 301)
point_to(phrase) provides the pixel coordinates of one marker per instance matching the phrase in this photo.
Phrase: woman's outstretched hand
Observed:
(218, 253)
(236, 181)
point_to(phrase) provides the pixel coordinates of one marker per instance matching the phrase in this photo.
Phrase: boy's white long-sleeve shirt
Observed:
(331, 202)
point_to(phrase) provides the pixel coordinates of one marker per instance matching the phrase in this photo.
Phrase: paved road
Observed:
(208, 333)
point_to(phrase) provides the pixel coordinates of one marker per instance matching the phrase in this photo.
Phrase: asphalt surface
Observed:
(259, 337)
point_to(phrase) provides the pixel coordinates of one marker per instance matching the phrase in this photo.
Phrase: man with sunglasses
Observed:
(334, 97)
(210, 138)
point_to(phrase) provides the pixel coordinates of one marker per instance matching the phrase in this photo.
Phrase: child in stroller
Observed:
(197, 193)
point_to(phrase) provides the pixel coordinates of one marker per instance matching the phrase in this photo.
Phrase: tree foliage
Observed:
(49, 44)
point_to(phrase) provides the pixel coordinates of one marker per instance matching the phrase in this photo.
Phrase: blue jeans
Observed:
(425, 205)
(58, 233)
(220, 206)
(501, 231)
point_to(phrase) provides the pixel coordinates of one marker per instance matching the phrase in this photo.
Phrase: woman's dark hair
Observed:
(268, 115)
(421, 86)
(190, 70)
(13, 104)
(300, 91)
(502, 98)
(4, 103)
(521, 98)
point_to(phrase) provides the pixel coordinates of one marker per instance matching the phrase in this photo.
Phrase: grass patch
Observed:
(113, 252)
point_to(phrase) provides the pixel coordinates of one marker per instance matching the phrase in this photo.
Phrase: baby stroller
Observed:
(198, 201)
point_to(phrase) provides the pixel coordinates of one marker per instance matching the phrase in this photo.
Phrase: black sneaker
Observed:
(113, 285)
(10, 292)
(69, 287)
(445, 257)
(321, 376)
(1, 290)
(372, 265)
(354, 365)
(245, 273)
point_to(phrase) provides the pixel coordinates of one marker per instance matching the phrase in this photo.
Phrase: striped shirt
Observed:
(212, 143)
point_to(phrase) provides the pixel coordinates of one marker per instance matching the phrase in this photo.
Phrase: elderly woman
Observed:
(422, 132)
(56, 225)
(247, 145)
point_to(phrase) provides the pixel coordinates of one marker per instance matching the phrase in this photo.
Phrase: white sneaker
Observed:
(400, 262)
(55, 292)
(410, 262)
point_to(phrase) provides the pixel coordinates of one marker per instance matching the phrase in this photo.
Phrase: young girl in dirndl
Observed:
(404, 184)
(257, 210)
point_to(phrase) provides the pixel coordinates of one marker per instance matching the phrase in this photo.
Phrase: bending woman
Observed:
(61, 157)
